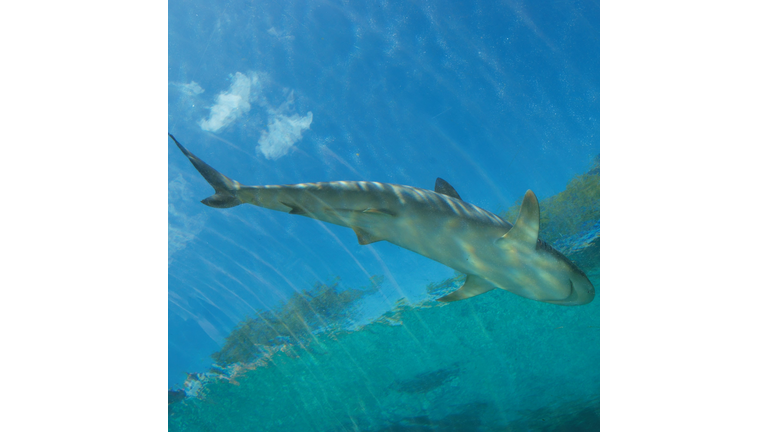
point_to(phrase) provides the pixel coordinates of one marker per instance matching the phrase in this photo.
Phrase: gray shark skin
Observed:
(438, 225)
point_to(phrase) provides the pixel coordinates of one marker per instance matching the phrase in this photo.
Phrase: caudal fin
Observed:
(226, 189)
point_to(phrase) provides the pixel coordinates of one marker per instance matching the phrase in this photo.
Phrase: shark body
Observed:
(438, 225)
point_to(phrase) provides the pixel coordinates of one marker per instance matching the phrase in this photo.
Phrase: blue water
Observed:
(494, 97)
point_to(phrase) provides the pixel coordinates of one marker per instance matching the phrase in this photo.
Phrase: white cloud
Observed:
(191, 89)
(284, 126)
(282, 132)
(231, 104)
(188, 89)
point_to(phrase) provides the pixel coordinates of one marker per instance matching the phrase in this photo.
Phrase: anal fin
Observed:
(295, 210)
(474, 285)
(364, 237)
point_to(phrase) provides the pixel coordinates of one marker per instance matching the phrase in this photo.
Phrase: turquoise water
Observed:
(497, 362)
(496, 98)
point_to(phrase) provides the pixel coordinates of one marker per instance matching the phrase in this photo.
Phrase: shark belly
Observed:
(418, 220)
(464, 239)
(470, 246)
(462, 244)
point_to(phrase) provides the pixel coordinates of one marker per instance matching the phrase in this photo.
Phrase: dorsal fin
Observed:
(442, 187)
(526, 228)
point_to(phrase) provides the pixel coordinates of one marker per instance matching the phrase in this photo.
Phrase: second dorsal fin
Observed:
(442, 187)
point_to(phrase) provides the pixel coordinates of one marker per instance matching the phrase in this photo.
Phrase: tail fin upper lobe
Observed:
(226, 189)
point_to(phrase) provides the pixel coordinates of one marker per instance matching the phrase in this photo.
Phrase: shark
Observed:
(493, 253)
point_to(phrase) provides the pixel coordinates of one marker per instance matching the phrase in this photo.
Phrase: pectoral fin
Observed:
(525, 232)
(474, 285)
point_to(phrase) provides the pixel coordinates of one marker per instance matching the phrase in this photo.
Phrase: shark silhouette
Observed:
(438, 225)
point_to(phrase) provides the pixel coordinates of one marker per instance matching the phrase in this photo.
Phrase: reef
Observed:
(324, 307)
